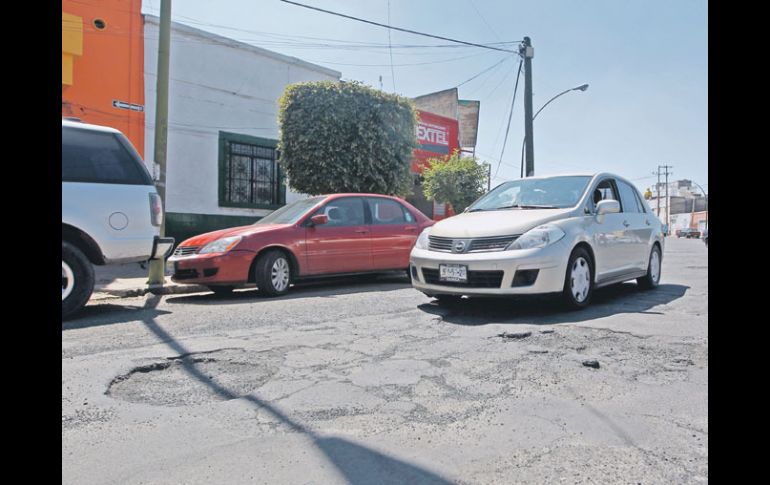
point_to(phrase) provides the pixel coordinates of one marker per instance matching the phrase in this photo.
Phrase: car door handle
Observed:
(410, 228)
(361, 231)
(625, 223)
(647, 221)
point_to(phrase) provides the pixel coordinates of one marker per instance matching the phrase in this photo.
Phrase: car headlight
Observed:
(539, 237)
(422, 239)
(220, 245)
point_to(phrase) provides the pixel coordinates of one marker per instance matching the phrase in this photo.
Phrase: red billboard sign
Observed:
(437, 136)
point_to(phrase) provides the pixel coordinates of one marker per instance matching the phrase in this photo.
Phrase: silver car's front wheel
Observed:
(578, 282)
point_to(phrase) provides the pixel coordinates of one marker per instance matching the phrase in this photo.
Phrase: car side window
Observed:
(639, 202)
(347, 211)
(627, 198)
(387, 211)
(605, 190)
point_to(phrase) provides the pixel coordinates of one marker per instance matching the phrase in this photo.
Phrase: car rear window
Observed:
(100, 157)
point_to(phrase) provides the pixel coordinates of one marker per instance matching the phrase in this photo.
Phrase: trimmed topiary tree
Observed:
(346, 137)
(456, 180)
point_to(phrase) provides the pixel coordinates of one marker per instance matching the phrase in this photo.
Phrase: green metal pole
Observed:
(158, 266)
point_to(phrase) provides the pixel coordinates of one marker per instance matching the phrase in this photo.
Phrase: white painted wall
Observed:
(217, 84)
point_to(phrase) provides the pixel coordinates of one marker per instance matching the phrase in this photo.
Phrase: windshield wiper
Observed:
(527, 206)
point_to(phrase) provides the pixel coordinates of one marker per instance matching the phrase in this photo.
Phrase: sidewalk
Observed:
(127, 280)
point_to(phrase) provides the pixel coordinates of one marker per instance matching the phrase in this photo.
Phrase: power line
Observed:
(390, 49)
(510, 115)
(399, 28)
(483, 19)
(482, 72)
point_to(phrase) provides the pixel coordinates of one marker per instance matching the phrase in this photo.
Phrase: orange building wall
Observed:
(109, 66)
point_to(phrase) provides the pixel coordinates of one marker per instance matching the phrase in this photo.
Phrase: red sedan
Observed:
(324, 235)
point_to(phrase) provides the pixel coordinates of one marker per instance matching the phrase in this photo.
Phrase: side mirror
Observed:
(607, 207)
(319, 219)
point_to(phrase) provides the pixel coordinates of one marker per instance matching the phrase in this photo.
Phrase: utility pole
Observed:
(528, 52)
(668, 201)
(657, 190)
(158, 266)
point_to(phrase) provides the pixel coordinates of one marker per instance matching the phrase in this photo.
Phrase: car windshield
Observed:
(290, 213)
(531, 193)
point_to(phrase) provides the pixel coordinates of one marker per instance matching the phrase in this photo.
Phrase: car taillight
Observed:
(156, 210)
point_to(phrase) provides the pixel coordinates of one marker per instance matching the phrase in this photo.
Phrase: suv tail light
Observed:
(156, 210)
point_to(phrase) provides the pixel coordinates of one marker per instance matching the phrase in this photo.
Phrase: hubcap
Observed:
(655, 266)
(580, 279)
(279, 275)
(67, 280)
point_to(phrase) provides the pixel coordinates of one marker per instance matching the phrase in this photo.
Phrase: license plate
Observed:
(453, 272)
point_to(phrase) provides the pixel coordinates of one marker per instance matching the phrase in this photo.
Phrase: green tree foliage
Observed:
(346, 137)
(459, 181)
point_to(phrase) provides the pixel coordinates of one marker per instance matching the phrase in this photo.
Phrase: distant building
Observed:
(685, 200)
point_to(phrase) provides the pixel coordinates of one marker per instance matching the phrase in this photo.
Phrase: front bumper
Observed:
(551, 263)
(230, 268)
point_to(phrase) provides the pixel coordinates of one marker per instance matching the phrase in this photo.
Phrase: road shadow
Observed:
(612, 300)
(108, 314)
(359, 464)
(320, 287)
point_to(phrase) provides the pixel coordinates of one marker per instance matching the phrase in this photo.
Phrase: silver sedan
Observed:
(565, 234)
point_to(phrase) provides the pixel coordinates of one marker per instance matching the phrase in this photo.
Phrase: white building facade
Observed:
(221, 162)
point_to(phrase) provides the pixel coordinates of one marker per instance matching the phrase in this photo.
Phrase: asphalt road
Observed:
(366, 380)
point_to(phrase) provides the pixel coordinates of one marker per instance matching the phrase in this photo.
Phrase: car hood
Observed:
(504, 222)
(203, 239)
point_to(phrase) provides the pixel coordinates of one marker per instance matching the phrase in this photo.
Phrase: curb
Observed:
(157, 290)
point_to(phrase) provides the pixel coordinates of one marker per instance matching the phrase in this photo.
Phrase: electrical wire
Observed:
(510, 115)
(398, 28)
(390, 49)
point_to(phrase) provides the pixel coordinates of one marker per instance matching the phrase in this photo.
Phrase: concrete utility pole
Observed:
(668, 201)
(657, 190)
(158, 266)
(528, 52)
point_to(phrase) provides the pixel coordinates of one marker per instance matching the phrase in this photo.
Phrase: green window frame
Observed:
(249, 173)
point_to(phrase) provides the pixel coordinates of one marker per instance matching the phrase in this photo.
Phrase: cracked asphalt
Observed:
(365, 380)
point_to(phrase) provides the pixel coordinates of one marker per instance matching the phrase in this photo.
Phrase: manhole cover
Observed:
(196, 378)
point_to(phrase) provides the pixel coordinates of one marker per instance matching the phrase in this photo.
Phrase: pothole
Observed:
(196, 378)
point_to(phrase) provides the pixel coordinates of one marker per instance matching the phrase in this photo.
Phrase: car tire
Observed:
(221, 290)
(578, 280)
(652, 278)
(272, 273)
(77, 279)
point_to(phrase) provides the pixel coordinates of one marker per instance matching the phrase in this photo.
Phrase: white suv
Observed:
(111, 212)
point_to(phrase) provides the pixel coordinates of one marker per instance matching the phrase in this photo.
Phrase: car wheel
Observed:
(652, 278)
(77, 279)
(221, 289)
(273, 273)
(579, 281)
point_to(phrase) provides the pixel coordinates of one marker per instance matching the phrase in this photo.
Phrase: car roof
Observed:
(87, 126)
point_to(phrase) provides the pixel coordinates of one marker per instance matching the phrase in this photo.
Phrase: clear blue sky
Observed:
(645, 60)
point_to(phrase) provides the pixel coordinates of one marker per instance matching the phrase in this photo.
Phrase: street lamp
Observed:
(582, 87)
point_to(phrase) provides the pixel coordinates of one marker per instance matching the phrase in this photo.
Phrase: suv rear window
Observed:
(100, 157)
